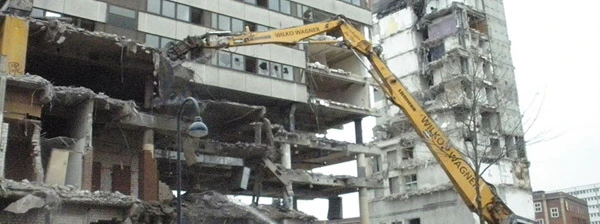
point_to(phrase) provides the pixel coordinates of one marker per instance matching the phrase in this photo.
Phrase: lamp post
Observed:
(197, 129)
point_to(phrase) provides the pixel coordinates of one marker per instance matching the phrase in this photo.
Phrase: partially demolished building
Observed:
(455, 57)
(89, 122)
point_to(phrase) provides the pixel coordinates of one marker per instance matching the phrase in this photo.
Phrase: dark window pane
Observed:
(263, 3)
(86, 24)
(224, 22)
(154, 6)
(251, 65)
(121, 17)
(285, 7)
(201, 17)
(168, 9)
(251, 26)
(183, 12)
(121, 11)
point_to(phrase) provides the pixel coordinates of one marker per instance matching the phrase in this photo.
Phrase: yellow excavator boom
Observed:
(452, 161)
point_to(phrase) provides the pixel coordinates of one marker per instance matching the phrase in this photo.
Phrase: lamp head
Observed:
(198, 129)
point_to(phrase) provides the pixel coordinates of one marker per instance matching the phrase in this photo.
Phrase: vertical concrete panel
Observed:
(93, 10)
(230, 8)
(259, 85)
(56, 172)
(403, 65)
(235, 80)
(157, 25)
(52, 5)
(251, 13)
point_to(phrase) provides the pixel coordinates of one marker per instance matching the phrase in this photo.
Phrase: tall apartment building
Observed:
(454, 56)
(264, 105)
(559, 208)
(589, 193)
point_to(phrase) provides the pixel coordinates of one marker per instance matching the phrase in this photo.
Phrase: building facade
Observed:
(559, 208)
(454, 56)
(106, 120)
(589, 193)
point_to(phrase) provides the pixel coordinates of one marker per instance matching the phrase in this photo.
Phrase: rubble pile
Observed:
(213, 207)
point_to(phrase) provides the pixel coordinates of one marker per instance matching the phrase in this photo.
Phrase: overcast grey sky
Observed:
(553, 46)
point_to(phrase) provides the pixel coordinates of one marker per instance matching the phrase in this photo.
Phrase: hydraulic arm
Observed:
(450, 158)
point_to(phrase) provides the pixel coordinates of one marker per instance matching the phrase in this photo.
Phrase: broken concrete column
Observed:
(286, 162)
(3, 130)
(149, 186)
(82, 131)
(38, 169)
(363, 197)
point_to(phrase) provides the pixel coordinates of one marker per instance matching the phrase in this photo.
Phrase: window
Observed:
(275, 70)
(393, 184)
(154, 6)
(238, 62)
(540, 221)
(168, 9)
(392, 159)
(37, 13)
(203, 18)
(436, 52)
(274, 5)
(121, 17)
(286, 7)
(237, 25)
(287, 72)
(414, 221)
(224, 22)
(410, 182)
(537, 206)
(397, 222)
(152, 40)
(408, 153)
(183, 12)
(554, 213)
(225, 59)
(263, 67)
(251, 65)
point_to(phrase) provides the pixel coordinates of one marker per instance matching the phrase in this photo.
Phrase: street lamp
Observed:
(197, 129)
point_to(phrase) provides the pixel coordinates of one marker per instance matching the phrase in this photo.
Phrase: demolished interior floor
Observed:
(110, 103)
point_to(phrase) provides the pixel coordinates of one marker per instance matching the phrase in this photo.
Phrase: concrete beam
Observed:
(310, 141)
(288, 176)
(201, 159)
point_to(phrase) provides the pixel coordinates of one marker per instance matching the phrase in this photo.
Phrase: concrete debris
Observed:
(50, 198)
(423, 191)
(25, 204)
(213, 207)
(414, 163)
(164, 192)
(329, 103)
(317, 65)
(35, 82)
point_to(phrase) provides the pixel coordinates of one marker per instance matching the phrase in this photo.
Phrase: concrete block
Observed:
(57, 167)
